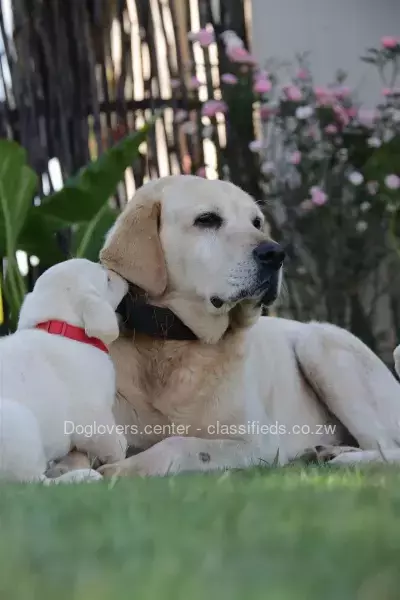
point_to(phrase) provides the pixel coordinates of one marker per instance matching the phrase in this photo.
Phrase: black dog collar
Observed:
(160, 323)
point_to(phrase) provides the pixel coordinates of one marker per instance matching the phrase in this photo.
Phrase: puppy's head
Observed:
(199, 244)
(79, 292)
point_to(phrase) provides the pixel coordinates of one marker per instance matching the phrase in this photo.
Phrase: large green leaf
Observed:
(88, 238)
(17, 186)
(38, 238)
(84, 194)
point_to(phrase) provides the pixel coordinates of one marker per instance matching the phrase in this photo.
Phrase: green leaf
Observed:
(369, 59)
(88, 238)
(38, 238)
(84, 194)
(17, 186)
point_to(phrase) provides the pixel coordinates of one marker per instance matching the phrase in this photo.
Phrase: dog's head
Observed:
(200, 247)
(79, 292)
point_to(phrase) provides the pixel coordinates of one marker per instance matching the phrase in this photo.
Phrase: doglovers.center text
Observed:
(217, 429)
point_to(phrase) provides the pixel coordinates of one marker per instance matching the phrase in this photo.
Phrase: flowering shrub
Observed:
(327, 170)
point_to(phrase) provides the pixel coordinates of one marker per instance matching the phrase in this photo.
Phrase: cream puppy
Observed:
(57, 381)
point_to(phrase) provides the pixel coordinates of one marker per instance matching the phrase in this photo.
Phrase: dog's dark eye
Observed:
(211, 220)
(257, 223)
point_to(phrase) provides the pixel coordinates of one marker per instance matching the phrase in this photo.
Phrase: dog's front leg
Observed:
(185, 454)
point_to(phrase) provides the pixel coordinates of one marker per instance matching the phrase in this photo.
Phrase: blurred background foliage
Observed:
(81, 84)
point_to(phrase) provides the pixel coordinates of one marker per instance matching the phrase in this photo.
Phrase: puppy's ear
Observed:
(99, 319)
(133, 248)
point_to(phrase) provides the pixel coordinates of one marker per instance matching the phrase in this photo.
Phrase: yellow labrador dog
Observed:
(237, 389)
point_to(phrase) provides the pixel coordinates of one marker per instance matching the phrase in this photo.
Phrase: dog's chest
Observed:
(190, 381)
(179, 388)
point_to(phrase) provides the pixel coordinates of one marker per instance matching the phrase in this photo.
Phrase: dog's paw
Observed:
(325, 454)
(55, 470)
(77, 476)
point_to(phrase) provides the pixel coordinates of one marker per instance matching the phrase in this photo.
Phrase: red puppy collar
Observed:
(71, 332)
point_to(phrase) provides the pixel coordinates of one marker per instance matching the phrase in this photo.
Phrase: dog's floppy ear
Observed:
(133, 248)
(99, 319)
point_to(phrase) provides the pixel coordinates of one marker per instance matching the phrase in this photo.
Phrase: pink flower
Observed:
(194, 83)
(295, 158)
(351, 112)
(324, 96)
(229, 78)
(212, 107)
(322, 92)
(389, 42)
(342, 92)
(293, 93)
(201, 172)
(331, 129)
(392, 182)
(262, 86)
(341, 114)
(240, 55)
(302, 74)
(203, 36)
(318, 197)
(391, 91)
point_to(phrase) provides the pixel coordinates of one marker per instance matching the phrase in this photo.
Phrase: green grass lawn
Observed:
(318, 533)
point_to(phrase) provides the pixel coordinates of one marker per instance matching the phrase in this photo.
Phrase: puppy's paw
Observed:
(73, 461)
(77, 476)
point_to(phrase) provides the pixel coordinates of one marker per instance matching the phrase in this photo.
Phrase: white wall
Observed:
(337, 32)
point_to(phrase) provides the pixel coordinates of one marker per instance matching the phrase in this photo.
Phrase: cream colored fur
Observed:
(47, 380)
(312, 383)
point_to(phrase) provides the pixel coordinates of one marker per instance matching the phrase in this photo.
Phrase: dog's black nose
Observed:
(270, 254)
